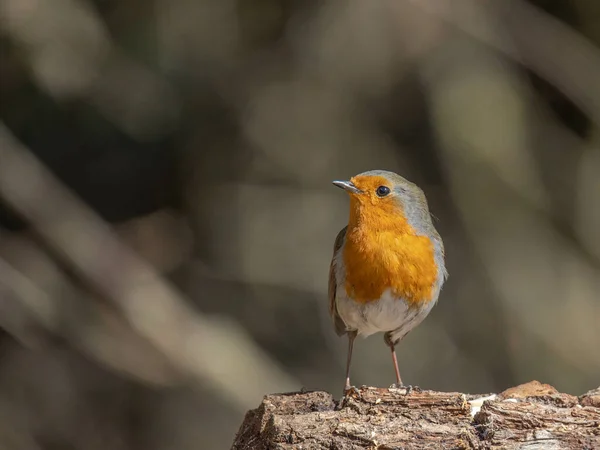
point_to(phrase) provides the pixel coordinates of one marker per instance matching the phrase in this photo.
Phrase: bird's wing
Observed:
(340, 326)
(440, 243)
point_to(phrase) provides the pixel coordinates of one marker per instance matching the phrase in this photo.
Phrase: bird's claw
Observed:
(351, 391)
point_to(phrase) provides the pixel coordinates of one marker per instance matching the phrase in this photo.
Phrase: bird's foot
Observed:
(350, 393)
(409, 388)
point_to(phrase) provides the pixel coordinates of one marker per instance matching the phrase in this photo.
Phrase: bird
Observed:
(388, 265)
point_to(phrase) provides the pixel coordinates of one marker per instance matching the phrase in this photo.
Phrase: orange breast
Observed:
(382, 251)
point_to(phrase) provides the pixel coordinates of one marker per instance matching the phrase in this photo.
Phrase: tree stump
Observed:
(531, 416)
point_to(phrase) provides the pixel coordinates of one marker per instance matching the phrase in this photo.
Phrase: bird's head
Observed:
(382, 199)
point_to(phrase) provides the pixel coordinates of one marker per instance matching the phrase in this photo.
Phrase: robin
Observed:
(388, 263)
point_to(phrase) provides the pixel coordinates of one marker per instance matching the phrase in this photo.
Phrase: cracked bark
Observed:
(531, 416)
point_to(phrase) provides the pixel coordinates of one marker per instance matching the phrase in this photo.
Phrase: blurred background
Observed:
(167, 214)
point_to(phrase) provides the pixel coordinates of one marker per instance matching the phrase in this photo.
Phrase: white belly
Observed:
(386, 314)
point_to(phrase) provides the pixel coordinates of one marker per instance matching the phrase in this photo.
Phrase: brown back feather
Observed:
(340, 326)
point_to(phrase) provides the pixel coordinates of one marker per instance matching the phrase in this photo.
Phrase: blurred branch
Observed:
(540, 42)
(72, 56)
(215, 351)
(31, 305)
(23, 306)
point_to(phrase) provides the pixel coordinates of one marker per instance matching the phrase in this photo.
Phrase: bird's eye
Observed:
(382, 191)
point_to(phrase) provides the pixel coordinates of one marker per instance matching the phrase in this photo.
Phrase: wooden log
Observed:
(532, 416)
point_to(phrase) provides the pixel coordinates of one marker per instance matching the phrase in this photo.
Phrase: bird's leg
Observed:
(348, 389)
(351, 337)
(395, 361)
(398, 384)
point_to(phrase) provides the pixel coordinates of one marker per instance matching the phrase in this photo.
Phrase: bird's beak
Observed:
(348, 186)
